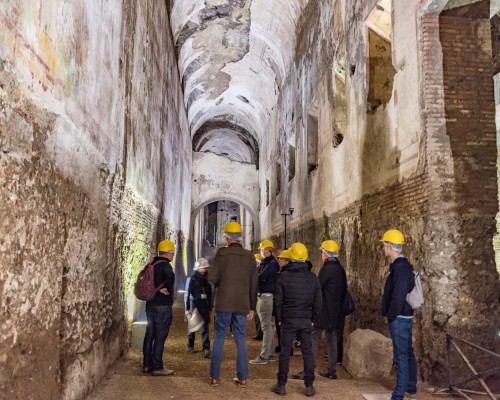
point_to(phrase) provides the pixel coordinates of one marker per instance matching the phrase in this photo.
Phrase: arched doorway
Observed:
(209, 218)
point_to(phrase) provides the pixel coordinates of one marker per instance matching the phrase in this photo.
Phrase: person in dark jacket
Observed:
(234, 278)
(297, 301)
(399, 313)
(268, 272)
(333, 283)
(283, 261)
(199, 295)
(258, 330)
(159, 312)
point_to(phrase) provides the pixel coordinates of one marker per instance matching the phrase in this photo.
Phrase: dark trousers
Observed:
(159, 321)
(340, 342)
(278, 332)
(205, 339)
(331, 346)
(301, 328)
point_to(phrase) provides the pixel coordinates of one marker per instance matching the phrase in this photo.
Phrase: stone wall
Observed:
(94, 156)
(409, 164)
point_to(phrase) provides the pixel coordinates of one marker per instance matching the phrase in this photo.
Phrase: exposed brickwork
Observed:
(446, 208)
(84, 190)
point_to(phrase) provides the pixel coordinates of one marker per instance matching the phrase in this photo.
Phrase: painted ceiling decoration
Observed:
(233, 58)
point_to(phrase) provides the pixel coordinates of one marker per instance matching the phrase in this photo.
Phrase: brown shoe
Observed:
(162, 372)
(215, 382)
(240, 382)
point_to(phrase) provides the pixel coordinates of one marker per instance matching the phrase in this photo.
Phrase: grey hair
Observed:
(394, 246)
(234, 236)
(330, 254)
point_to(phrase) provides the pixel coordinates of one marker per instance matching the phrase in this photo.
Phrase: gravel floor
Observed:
(125, 379)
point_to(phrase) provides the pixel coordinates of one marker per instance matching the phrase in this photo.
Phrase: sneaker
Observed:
(310, 391)
(272, 358)
(206, 353)
(300, 375)
(214, 382)
(279, 389)
(240, 382)
(162, 372)
(258, 360)
(146, 370)
(191, 350)
(327, 374)
(411, 395)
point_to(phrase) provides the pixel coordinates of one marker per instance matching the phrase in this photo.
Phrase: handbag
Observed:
(348, 306)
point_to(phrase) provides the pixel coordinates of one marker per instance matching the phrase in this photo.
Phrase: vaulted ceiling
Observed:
(234, 56)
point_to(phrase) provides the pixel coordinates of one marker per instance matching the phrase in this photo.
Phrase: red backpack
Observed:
(145, 285)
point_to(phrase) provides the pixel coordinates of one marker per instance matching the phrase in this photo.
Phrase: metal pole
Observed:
(286, 215)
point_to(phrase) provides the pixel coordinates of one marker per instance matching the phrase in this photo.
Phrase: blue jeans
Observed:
(159, 321)
(406, 365)
(239, 323)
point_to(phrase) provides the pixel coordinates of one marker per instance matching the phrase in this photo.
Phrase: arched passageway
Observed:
(210, 218)
(121, 124)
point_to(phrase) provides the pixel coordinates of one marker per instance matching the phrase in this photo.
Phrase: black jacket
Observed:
(333, 283)
(164, 273)
(398, 284)
(200, 294)
(297, 293)
(268, 273)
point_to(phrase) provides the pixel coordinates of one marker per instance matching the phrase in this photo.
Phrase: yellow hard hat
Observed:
(285, 254)
(393, 236)
(232, 227)
(258, 257)
(266, 244)
(330, 246)
(165, 246)
(298, 252)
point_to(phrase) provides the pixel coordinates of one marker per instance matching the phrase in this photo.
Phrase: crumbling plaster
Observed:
(252, 64)
(376, 150)
(216, 178)
(95, 153)
(394, 168)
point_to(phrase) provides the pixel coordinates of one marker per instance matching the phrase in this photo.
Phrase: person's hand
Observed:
(164, 291)
(250, 315)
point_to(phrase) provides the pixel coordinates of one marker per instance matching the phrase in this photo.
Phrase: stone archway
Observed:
(196, 209)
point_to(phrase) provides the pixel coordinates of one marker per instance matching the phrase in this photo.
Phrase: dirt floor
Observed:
(125, 379)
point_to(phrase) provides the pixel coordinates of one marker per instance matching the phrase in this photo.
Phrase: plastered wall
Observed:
(94, 156)
(399, 164)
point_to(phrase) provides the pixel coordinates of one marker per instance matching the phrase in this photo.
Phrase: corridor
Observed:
(191, 380)
(124, 123)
